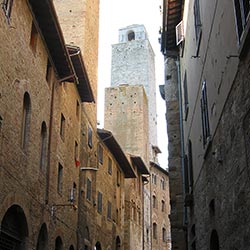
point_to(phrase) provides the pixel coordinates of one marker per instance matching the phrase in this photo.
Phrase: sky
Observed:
(116, 14)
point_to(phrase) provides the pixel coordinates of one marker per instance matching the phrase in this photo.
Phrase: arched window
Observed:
(25, 121)
(131, 36)
(154, 201)
(43, 155)
(163, 206)
(214, 241)
(58, 243)
(164, 234)
(42, 242)
(118, 243)
(154, 230)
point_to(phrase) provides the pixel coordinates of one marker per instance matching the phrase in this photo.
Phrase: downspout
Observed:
(177, 62)
(49, 143)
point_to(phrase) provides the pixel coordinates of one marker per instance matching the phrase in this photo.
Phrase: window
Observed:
(154, 201)
(242, 10)
(164, 234)
(190, 166)
(197, 21)
(7, 7)
(109, 166)
(163, 183)
(60, 179)
(77, 109)
(88, 197)
(90, 144)
(1, 123)
(193, 237)
(43, 155)
(154, 230)
(214, 241)
(204, 115)
(48, 71)
(99, 202)
(118, 178)
(131, 36)
(100, 154)
(109, 210)
(33, 38)
(76, 154)
(154, 179)
(163, 206)
(186, 106)
(62, 127)
(25, 121)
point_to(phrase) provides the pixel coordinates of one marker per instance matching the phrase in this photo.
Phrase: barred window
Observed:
(242, 13)
(7, 7)
(204, 115)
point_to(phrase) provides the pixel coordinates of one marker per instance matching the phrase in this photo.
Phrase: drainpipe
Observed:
(177, 62)
(49, 142)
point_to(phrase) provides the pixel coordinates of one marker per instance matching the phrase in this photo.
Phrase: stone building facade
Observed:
(160, 206)
(212, 65)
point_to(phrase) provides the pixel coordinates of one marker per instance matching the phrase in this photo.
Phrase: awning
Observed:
(45, 18)
(114, 147)
(83, 85)
(137, 160)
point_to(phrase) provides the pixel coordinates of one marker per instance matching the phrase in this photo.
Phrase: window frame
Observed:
(7, 8)
(100, 154)
(110, 166)
(90, 137)
(43, 152)
(60, 178)
(99, 202)
(88, 189)
(206, 134)
(109, 210)
(197, 24)
(62, 127)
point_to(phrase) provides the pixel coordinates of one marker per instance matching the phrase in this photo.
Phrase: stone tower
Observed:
(133, 63)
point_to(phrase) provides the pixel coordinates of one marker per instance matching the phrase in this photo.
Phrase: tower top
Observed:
(132, 32)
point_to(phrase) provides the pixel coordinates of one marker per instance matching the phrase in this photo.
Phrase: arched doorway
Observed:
(214, 241)
(98, 246)
(42, 242)
(118, 243)
(14, 229)
(58, 243)
(71, 247)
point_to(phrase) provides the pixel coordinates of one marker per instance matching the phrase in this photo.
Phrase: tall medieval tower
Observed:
(133, 64)
(130, 110)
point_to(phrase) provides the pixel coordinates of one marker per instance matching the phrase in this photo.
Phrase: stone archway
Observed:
(14, 229)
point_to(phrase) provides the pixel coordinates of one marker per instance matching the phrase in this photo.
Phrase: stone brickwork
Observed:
(221, 191)
(133, 63)
(174, 150)
(160, 208)
(126, 115)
